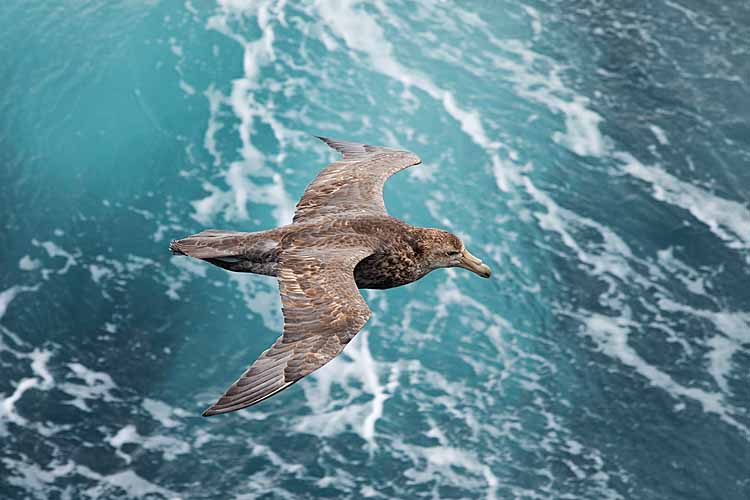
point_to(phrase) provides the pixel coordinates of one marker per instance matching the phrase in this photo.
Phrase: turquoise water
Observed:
(596, 157)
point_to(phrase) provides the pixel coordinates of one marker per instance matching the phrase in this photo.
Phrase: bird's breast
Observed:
(387, 270)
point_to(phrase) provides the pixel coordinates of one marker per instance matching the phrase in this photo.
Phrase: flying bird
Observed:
(341, 239)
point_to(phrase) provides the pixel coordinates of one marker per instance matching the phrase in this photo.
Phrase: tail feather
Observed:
(209, 244)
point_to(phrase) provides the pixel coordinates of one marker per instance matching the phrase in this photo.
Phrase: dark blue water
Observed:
(596, 155)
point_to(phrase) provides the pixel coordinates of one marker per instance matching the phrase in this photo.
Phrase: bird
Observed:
(341, 239)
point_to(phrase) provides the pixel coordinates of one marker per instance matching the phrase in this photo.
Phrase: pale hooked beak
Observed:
(474, 265)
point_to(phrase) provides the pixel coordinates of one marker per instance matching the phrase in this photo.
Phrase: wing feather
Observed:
(323, 310)
(354, 183)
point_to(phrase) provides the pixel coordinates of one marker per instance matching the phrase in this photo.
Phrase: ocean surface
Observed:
(596, 154)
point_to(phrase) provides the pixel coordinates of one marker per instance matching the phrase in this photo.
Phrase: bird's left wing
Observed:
(323, 310)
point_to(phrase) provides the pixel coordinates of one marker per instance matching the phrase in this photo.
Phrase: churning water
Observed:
(594, 153)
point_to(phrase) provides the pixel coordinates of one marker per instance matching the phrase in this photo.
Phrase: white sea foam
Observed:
(97, 386)
(449, 293)
(165, 414)
(261, 296)
(98, 272)
(39, 359)
(607, 260)
(127, 434)
(358, 374)
(215, 99)
(170, 447)
(41, 482)
(611, 337)
(186, 87)
(7, 406)
(729, 220)
(443, 461)
(660, 135)
(28, 264)
(585, 462)
(365, 360)
(582, 134)
(720, 359)
(734, 328)
(725, 220)
(53, 250)
(691, 15)
(332, 416)
(30, 477)
(692, 279)
(42, 381)
(190, 266)
(359, 30)
(238, 177)
(7, 296)
(128, 481)
(536, 23)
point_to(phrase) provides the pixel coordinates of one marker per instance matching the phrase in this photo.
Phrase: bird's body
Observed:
(398, 248)
(341, 240)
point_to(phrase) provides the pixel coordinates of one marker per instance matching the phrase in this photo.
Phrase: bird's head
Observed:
(443, 249)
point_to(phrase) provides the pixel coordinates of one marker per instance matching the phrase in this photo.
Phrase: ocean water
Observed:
(594, 153)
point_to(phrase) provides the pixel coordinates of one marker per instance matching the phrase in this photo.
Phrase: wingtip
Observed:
(327, 140)
(209, 412)
(354, 150)
(347, 148)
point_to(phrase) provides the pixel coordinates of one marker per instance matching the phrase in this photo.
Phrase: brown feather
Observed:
(353, 184)
(341, 239)
(323, 310)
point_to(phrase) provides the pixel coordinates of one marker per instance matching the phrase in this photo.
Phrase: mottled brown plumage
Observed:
(341, 239)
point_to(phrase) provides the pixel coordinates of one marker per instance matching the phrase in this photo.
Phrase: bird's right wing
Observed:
(323, 310)
(354, 183)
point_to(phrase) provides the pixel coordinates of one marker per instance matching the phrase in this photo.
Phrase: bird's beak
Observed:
(474, 265)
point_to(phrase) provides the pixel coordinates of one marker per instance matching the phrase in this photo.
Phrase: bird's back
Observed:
(396, 255)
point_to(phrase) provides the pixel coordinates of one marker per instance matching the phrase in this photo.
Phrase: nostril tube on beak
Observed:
(474, 265)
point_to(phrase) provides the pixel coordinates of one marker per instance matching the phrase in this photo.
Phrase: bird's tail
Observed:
(233, 250)
(209, 244)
